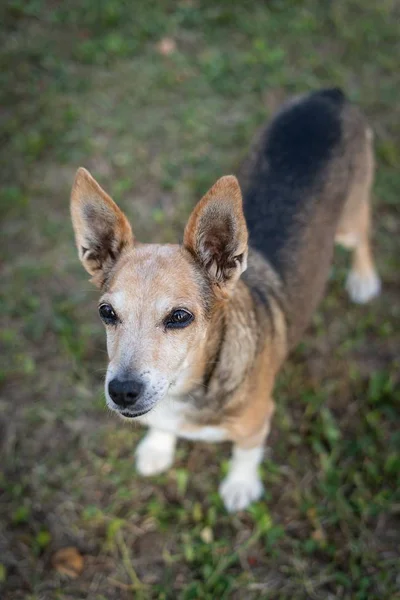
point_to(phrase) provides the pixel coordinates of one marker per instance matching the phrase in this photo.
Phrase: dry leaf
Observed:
(318, 535)
(206, 535)
(68, 561)
(312, 513)
(166, 46)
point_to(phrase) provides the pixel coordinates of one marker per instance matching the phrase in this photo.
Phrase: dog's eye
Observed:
(178, 318)
(107, 314)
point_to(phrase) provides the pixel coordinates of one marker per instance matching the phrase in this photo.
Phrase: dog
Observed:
(197, 332)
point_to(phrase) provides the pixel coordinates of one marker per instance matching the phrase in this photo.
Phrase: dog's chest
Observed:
(171, 415)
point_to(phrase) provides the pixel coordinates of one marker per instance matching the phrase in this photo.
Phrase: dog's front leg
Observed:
(242, 485)
(155, 453)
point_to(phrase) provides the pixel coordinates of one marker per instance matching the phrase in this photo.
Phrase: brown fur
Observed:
(216, 234)
(225, 363)
(101, 235)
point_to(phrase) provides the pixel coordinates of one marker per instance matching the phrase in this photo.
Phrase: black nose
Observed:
(125, 392)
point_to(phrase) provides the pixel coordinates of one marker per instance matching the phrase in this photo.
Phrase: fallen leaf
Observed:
(166, 46)
(206, 535)
(318, 535)
(68, 561)
(312, 513)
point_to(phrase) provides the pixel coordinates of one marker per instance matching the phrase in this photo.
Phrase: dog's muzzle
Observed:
(126, 394)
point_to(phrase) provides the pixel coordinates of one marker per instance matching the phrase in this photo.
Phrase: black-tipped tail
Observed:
(336, 95)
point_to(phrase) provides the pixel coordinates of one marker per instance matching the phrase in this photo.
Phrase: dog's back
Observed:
(190, 324)
(295, 183)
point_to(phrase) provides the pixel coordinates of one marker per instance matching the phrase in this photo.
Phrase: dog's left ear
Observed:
(102, 231)
(216, 234)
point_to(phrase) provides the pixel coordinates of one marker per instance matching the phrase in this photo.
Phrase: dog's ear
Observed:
(102, 231)
(216, 234)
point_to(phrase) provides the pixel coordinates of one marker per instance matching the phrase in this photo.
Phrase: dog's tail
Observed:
(335, 95)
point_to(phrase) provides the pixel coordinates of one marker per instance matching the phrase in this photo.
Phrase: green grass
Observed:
(84, 83)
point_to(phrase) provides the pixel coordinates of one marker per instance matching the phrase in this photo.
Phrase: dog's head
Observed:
(157, 300)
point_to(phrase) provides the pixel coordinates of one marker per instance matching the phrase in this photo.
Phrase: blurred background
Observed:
(157, 100)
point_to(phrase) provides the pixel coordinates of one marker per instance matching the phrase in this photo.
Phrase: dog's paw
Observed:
(362, 288)
(152, 459)
(238, 494)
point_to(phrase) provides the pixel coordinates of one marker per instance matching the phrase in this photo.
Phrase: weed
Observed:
(86, 83)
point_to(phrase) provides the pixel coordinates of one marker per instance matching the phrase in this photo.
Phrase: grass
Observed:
(87, 83)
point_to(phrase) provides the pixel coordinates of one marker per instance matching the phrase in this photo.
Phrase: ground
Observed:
(158, 99)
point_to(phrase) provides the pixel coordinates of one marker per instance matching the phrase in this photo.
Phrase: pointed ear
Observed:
(216, 234)
(102, 231)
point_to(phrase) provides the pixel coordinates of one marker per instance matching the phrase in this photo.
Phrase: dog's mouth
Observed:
(131, 415)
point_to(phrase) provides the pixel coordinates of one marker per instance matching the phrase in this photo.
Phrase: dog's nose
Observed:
(125, 392)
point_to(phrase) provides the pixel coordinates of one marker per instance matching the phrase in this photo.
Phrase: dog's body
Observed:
(195, 338)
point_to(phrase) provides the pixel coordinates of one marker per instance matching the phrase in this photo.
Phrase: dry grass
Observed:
(85, 83)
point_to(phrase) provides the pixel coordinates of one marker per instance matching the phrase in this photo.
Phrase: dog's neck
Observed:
(239, 328)
(227, 356)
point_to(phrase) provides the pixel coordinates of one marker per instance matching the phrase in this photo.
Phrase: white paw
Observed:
(237, 493)
(151, 459)
(362, 288)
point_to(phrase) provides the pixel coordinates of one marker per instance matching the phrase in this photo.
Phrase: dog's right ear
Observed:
(102, 231)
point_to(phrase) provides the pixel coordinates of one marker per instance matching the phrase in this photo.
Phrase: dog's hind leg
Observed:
(363, 282)
(353, 232)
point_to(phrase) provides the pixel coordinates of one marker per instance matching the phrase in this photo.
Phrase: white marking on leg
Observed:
(363, 287)
(242, 485)
(155, 453)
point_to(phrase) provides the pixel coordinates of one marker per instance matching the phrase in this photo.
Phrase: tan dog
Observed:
(197, 332)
